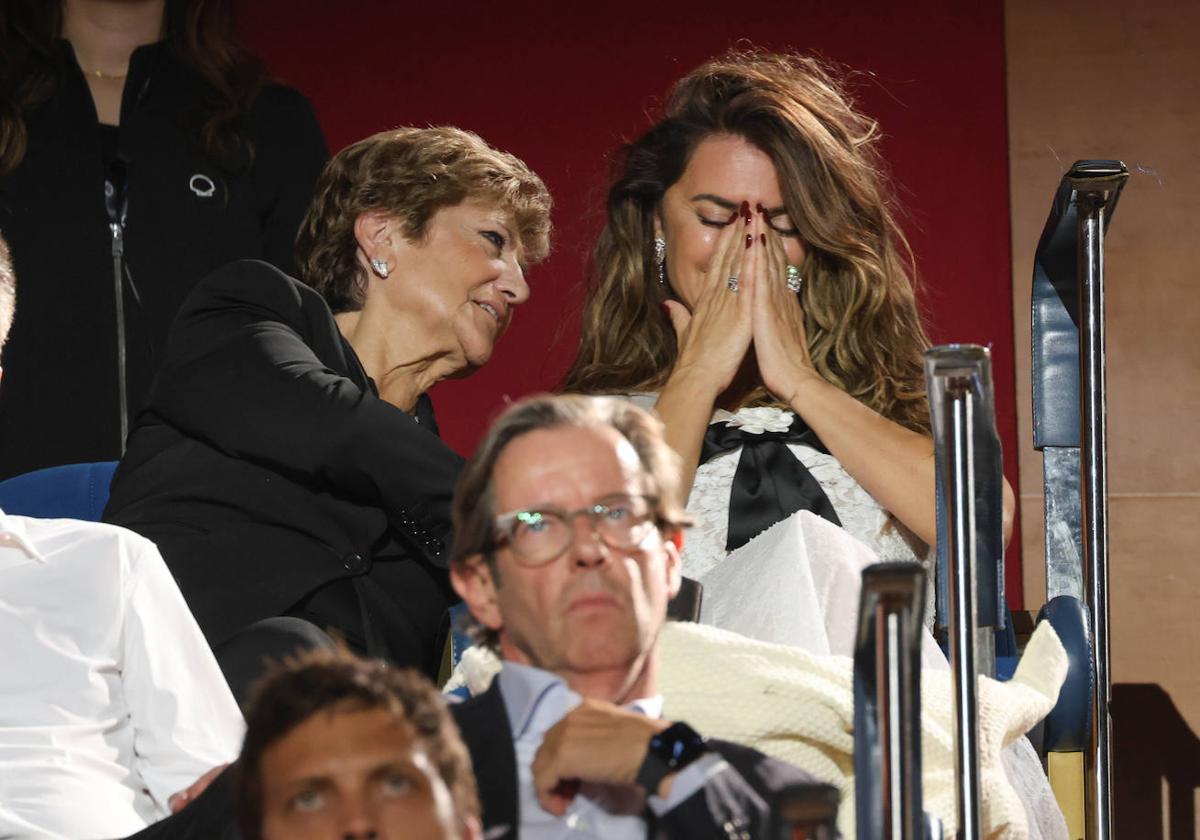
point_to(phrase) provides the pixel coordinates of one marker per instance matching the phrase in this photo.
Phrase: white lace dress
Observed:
(739, 586)
(861, 516)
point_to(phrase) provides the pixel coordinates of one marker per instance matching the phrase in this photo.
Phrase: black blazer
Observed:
(266, 465)
(731, 806)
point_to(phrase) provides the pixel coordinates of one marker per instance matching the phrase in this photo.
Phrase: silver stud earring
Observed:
(381, 268)
(794, 280)
(660, 258)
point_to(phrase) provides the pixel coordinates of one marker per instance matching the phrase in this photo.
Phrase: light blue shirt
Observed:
(535, 700)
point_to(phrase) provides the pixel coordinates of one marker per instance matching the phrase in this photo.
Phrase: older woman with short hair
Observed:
(288, 463)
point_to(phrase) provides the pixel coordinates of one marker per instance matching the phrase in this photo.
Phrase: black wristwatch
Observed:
(674, 748)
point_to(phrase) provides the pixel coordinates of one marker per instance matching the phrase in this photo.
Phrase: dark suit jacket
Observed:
(266, 465)
(731, 806)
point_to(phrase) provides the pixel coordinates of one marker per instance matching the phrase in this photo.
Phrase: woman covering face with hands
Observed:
(752, 283)
(756, 253)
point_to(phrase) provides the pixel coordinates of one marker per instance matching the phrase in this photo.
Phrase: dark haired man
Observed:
(339, 747)
(568, 524)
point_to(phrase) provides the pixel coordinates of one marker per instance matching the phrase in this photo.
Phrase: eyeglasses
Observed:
(539, 536)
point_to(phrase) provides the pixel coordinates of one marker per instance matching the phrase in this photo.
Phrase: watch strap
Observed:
(668, 751)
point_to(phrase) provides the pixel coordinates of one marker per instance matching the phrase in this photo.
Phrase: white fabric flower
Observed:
(475, 670)
(765, 418)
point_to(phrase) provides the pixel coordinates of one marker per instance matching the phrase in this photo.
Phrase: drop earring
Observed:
(660, 259)
(381, 268)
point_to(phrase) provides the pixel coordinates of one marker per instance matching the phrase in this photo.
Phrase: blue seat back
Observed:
(1070, 720)
(72, 491)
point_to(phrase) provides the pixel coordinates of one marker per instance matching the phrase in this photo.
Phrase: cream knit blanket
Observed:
(800, 708)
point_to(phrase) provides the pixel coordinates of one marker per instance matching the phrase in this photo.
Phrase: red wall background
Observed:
(562, 86)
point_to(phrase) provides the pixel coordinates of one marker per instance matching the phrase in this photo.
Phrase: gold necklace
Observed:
(100, 74)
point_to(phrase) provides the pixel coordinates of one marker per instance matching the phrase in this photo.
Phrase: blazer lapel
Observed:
(483, 723)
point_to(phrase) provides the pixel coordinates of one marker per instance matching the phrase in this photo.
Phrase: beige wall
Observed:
(1112, 79)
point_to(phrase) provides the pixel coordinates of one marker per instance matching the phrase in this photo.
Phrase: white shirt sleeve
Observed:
(184, 717)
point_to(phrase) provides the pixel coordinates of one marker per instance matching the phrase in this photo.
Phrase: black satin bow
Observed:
(770, 483)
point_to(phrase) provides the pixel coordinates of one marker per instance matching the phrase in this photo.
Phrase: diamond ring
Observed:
(793, 278)
(732, 282)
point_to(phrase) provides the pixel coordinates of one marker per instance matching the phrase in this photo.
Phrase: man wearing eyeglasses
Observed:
(568, 527)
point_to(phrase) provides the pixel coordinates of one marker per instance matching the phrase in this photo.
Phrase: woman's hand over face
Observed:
(715, 336)
(780, 342)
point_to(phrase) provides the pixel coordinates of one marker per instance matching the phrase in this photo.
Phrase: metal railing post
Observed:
(963, 606)
(887, 703)
(959, 384)
(1094, 485)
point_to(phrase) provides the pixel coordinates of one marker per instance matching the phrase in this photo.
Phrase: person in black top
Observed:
(288, 462)
(204, 162)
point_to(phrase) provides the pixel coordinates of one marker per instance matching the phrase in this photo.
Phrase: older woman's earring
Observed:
(793, 278)
(381, 268)
(660, 259)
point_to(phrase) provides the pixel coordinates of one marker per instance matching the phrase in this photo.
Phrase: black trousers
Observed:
(397, 611)
(210, 816)
(249, 653)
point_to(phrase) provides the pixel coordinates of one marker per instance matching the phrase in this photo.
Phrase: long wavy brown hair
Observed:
(200, 34)
(864, 332)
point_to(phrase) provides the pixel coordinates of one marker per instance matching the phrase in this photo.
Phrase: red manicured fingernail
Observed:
(763, 237)
(733, 216)
(746, 210)
(666, 310)
(760, 209)
(749, 240)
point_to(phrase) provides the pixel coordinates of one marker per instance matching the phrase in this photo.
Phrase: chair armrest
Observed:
(1068, 723)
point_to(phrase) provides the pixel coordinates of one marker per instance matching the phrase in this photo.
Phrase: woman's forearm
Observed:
(894, 464)
(685, 406)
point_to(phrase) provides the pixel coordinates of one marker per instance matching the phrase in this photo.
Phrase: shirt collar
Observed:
(525, 689)
(12, 535)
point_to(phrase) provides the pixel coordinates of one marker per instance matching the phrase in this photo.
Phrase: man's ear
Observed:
(473, 581)
(673, 546)
(676, 537)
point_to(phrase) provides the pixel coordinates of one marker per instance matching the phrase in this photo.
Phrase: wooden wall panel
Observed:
(1114, 79)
